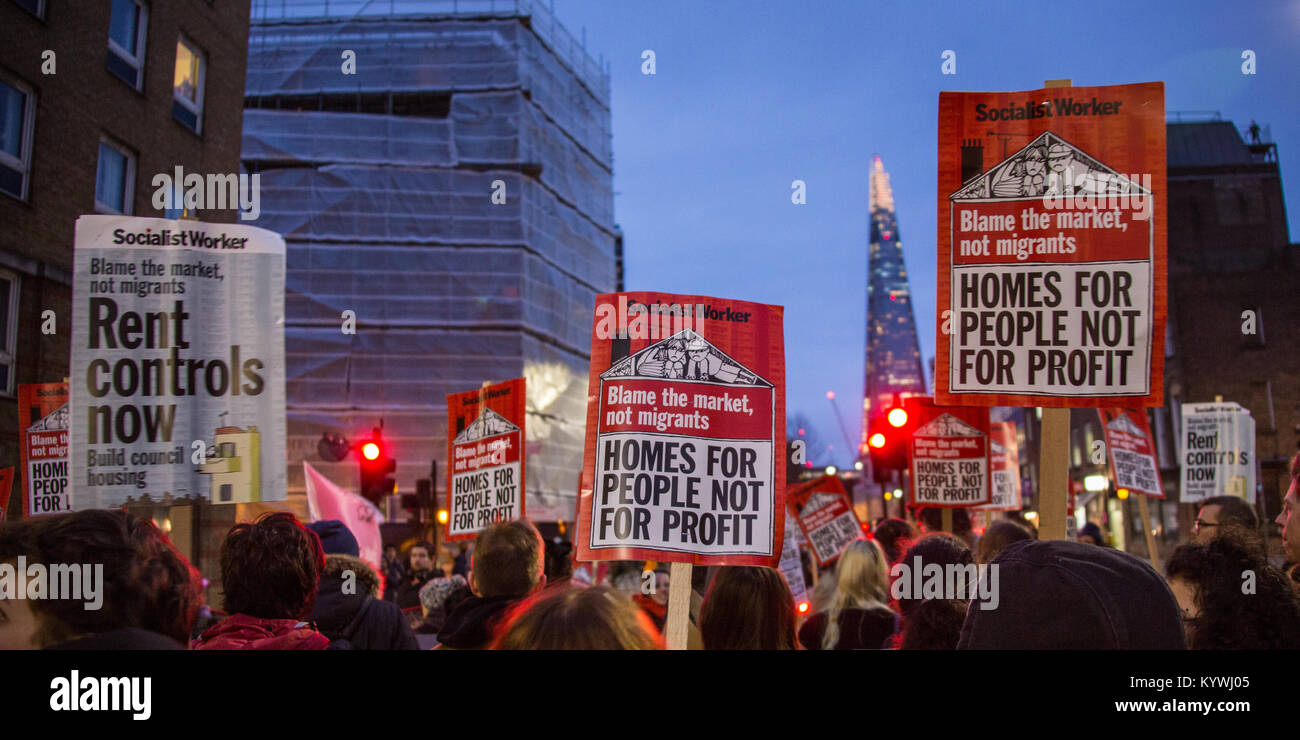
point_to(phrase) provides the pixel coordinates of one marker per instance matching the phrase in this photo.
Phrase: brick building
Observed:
(96, 97)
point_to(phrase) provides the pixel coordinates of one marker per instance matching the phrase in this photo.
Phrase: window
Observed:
(8, 329)
(126, 33)
(35, 7)
(17, 110)
(114, 179)
(187, 85)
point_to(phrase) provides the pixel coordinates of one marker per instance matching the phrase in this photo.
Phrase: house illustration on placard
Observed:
(55, 421)
(947, 425)
(488, 424)
(684, 356)
(1047, 166)
(1123, 423)
(235, 463)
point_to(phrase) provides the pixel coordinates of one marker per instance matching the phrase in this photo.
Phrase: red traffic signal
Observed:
(376, 469)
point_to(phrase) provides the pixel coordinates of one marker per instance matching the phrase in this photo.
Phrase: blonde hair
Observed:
(861, 582)
(567, 617)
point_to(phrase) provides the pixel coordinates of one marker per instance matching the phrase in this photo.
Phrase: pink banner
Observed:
(325, 500)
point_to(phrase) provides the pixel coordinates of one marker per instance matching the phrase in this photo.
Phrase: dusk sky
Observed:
(749, 96)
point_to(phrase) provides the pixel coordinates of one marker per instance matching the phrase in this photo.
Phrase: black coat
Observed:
(860, 629)
(471, 624)
(364, 622)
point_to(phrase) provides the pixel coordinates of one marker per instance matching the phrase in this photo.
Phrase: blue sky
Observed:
(749, 96)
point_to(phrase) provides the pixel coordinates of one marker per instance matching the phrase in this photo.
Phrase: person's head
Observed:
(390, 552)
(747, 608)
(271, 568)
(676, 350)
(434, 594)
(697, 349)
(1059, 157)
(559, 560)
(575, 618)
(136, 578)
(335, 538)
(1034, 161)
(1218, 611)
(997, 537)
(1090, 535)
(894, 535)
(660, 592)
(508, 560)
(861, 582)
(1222, 513)
(350, 569)
(934, 623)
(931, 519)
(1289, 518)
(421, 556)
(1062, 595)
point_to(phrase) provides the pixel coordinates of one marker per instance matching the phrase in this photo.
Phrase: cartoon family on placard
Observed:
(683, 356)
(1048, 166)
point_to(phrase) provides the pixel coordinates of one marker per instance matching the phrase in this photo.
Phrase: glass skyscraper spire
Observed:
(893, 351)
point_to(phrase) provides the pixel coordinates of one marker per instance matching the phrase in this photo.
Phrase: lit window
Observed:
(114, 179)
(187, 85)
(8, 329)
(126, 33)
(17, 109)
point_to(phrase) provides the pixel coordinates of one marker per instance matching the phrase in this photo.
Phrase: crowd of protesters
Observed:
(290, 586)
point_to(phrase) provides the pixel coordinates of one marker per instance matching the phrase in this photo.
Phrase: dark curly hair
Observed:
(146, 583)
(933, 624)
(271, 568)
(1267, 619)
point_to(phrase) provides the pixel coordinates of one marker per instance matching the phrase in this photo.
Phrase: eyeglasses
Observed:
(1200, 524)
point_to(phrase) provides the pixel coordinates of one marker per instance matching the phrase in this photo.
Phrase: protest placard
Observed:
(685, 432)
(485, 453)
(1132, 451)
(43, 417)
(950, 455)
(1004, 462)
(1217, 450)
(1052, 237)
(177, 362)
(791, 565)
(6, 488)
(826, 517)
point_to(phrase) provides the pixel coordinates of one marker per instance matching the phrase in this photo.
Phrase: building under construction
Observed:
(441, 173)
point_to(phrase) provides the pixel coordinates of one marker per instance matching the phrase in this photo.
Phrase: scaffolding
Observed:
(382, 184)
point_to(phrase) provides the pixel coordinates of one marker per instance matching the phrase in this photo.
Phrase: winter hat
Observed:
(434, 593)
(1055, 594)
(335, 537)
(1091, 529)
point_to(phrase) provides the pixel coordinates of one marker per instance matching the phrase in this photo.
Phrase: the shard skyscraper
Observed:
(893, 351)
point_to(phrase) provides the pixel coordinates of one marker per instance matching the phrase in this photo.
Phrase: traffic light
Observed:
(377, 467)
(887, 442)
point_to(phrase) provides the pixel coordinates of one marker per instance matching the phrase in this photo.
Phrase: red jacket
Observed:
(242, 632)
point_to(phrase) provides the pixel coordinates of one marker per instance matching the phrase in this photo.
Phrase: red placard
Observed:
(685, 448)
(1052, 240)
(949, 455)
(1132, 451)
(1004, 462)
(485, 457)
(43, 418)
(826, 517)
(6, 487)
